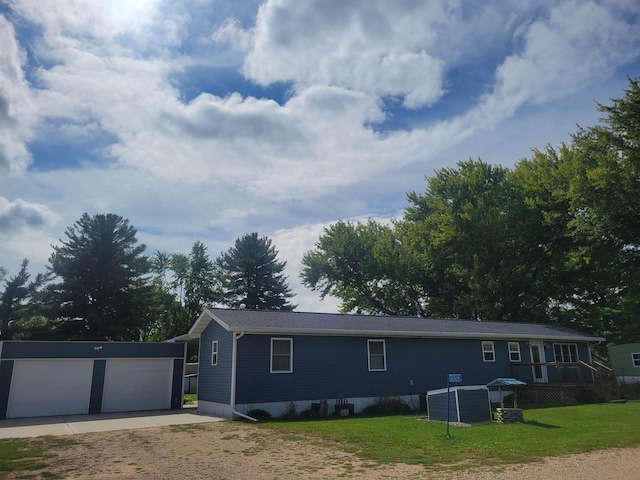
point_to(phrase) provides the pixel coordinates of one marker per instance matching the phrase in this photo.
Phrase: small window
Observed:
(565, 352)
(488, 352)
(635, 358)
(514, 351)
(214, 353)
(281, 355)
(377, 355)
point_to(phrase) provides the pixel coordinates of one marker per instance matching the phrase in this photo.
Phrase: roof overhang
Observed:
(207, 316)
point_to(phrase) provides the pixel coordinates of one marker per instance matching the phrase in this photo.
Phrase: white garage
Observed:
(71, 378)
(137, 384)
(50, 387)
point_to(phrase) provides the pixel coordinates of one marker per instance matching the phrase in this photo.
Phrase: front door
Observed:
(537, 356)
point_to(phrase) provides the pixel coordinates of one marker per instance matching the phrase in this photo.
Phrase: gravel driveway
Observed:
(233, 450)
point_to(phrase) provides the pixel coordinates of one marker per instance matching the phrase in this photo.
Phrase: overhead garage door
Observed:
(50, 387)
(137, 384)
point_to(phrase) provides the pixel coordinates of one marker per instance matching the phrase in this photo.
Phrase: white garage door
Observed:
(50, 387)
(137, 384)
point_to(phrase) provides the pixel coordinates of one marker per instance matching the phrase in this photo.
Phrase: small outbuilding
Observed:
(625, 360)
(467, 404)
(67, 378)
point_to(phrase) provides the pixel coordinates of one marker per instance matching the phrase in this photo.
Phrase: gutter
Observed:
(234, 362)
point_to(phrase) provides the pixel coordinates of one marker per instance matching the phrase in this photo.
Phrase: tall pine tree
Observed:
(103, 293)
(252, 276)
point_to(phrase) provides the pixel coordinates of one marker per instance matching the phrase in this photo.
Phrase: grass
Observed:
(546, 432)
(190, 398)
(27, 454)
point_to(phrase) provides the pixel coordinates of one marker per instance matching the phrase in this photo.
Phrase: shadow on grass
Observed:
(533, 423)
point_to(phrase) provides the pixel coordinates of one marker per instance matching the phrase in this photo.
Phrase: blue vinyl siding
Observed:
(97, 386)
(474, 406)
(6, 373)
(20, 349)
(176, 386)
(333, 366)
(214, 382)
(438, 407)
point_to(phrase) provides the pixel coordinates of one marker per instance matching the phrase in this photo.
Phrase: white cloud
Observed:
(577, 43)
(17, 214)
(376, 47)
(16, 111)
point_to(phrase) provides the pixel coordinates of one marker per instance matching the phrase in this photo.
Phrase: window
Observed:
(214, 353)
(377, 355)
(635, 358)
(281, 355)
(514, 351)
(488, 353)
(565, 352)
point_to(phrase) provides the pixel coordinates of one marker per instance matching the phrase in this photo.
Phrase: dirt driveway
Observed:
(233, 450)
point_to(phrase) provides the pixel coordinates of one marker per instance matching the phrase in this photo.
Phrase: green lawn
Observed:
(546, 432)
(27, 454)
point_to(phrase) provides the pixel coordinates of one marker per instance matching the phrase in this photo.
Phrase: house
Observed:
(268, 359)
(625, 360)
(69, 378)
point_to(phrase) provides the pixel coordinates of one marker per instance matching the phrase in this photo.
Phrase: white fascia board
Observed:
(386, 333)
(199, 325)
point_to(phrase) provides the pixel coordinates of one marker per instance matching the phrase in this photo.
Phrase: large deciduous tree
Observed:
(367, 267)
(555, 239)
(253, 277)
(103, 292)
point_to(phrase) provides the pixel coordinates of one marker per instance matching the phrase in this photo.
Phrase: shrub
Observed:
(259, 414)
(291, 412)
(387, 406)
(630, 391)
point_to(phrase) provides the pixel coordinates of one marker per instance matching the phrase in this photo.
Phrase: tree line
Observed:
(556, 239)
(100, 285)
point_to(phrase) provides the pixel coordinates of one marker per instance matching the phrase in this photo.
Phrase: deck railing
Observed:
(597, 375)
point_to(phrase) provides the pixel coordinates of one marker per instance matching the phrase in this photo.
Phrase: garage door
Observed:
(50, 387)
(137, 384)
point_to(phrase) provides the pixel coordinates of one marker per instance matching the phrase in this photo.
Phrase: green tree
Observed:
(202, 283)
(183, 286)
(15, 301)
(252, 276)
(367, 267)
(103, 292)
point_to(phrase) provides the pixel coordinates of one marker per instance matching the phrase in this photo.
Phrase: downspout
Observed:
(234, 362)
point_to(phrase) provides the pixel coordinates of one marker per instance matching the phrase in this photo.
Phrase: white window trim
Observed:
(214, 353)
(517, 344)
(384, 355)
(290, 370)
(635, 362)
(561, 344)
(484, 352)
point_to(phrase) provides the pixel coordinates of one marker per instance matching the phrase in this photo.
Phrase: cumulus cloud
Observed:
(574, 44)
(16, 111)
(18, 214)
(377, 47)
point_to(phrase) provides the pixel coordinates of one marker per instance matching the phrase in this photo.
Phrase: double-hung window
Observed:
(635, 358)
(514, 351)
(377, 355)
(488, 352)
(281, 355)
(565, 352)
(214, 353)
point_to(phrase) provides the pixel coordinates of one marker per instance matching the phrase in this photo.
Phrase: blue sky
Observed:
(209, 119)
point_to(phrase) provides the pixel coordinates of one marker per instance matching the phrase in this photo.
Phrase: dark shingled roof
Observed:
(303, 323)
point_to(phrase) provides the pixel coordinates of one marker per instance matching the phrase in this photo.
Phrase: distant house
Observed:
(625, 360)
(267, 359)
